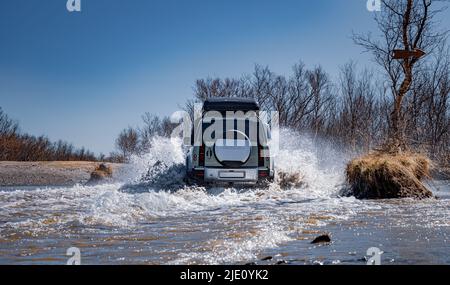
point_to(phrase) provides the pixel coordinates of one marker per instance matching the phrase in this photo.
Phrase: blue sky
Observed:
(83, 77)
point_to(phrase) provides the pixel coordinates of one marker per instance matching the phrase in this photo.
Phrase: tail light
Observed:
(201, 156)
(260, 156)
(199, 173)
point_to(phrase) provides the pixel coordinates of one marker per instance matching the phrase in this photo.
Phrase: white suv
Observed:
(229, 144)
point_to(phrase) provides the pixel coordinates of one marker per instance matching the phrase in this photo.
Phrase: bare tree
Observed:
(320, 91)
(427, 118)
(407, 25)
(151, 128)
(7, 126)
(128, 142)
(298, 102)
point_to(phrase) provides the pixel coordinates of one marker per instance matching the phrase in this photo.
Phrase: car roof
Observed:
(230, 104)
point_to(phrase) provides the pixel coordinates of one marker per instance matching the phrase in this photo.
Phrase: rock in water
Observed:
(250, 264)
(322, 239)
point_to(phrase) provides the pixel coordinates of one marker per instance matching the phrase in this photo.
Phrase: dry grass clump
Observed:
(102, 172)
(381, 176)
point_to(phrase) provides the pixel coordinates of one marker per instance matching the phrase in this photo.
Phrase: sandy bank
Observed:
(55, 173)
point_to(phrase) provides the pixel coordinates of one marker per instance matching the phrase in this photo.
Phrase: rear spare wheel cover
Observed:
(232, 152)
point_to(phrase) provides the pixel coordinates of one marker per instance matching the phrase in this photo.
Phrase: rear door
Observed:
(234, 147)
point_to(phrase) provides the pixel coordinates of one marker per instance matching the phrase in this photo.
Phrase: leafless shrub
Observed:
(128, 142)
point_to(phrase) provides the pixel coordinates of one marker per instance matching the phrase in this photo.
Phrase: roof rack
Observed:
(230, 104)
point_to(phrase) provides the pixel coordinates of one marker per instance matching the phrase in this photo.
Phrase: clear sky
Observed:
(83, 77)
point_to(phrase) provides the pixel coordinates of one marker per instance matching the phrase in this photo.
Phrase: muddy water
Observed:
(165, 222)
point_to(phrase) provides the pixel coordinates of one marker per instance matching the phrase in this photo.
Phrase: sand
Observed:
(54, 173)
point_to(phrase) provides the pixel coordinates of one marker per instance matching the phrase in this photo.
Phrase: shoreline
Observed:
(69, 173)
(47, 173)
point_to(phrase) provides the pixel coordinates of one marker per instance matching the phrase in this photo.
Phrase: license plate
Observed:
(231, 174)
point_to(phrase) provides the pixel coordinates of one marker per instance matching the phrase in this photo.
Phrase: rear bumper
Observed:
(249, 175)
(235, 175)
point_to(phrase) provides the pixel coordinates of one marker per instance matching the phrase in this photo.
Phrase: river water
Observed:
(162, 221)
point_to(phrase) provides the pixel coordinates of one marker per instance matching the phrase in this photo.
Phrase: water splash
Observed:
(164, 154)
(215, 225)
(144, 191)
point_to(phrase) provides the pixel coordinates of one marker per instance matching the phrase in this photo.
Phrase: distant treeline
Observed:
(352, 111)
(17, 146)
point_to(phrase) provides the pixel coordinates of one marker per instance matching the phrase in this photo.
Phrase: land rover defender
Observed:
(230, 144)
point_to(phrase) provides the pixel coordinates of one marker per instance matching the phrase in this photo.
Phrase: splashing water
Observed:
(150, 216)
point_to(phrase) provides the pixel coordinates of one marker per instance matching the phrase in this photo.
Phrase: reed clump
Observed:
(382, 176)
(101, 173)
